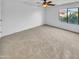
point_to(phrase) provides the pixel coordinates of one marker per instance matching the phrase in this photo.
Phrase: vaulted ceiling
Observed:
(57, 2)
(64, 1)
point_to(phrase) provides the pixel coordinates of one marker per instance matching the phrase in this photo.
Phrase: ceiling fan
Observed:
(43, 3)
(46, 3)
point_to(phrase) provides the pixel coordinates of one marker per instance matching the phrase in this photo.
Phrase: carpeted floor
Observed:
(43, 42)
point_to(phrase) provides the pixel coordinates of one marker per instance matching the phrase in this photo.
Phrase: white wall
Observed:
(52, 17)
(18, 16)
(0, 18)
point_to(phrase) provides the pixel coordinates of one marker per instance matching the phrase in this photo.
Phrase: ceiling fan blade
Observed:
(44, 0)
(51, 4)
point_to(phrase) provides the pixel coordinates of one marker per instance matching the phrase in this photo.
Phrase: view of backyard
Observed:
(69, 15)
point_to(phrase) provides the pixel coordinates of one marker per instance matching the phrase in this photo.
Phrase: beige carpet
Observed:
(43, 42)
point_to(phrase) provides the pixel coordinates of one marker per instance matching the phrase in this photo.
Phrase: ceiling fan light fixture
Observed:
(45, 5)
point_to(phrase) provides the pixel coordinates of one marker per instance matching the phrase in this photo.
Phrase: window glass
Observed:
(63, 15)
(73, 15)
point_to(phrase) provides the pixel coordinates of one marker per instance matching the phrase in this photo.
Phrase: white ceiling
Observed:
(57, 2)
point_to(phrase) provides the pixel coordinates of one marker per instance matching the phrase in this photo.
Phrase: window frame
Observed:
(67, 15)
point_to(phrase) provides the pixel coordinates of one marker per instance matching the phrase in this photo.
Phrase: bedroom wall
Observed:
(0, 18)
(52, 17)
(18, 16)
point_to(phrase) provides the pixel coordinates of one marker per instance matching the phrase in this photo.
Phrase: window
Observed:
(69, 15)
(63, 15)
(73, 15)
